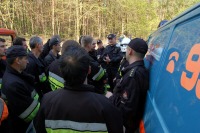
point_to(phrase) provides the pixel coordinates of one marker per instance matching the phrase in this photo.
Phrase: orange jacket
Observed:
(3, 110)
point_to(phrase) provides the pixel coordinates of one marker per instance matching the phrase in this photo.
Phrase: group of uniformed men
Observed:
(81, 90)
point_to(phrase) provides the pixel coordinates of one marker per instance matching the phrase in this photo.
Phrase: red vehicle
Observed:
(7, 32)
(8, 35)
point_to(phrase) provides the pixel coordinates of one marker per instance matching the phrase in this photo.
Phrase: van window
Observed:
(156, 44)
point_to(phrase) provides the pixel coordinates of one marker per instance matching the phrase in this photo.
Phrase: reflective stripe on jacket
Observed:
(55, 81)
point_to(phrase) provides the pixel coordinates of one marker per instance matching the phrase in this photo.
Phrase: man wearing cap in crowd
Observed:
(100, 52)
(112, 57)
(18, 91)
(130, 93)
(55, 76)
(54, 45)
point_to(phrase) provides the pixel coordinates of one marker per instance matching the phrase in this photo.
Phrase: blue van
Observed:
(173, 59)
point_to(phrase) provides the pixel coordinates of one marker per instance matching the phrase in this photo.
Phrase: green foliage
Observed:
(94, 17)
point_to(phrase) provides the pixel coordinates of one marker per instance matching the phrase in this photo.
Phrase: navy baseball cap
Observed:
(54, 40)
(138, 45)
(16, 51)
(111, 36)
(99, 41)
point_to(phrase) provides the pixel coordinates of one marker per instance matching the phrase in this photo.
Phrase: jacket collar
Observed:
(36, 60)
(134, 64)
(82, 87)
(23, 75)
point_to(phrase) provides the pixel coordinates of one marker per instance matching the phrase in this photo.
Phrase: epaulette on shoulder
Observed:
(132, 72)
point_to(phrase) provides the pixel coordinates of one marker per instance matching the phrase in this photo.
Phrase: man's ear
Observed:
(53, 46)
(17, 60)
(37, 45)
(130, 52)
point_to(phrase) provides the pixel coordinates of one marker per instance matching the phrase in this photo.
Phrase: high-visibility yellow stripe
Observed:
(99, 75)
(75, 126)
(31, 111)
(49, 130)
(34, 95)
(55, 81)
(42, 77)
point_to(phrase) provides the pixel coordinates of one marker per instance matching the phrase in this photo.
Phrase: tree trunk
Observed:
(52, 16)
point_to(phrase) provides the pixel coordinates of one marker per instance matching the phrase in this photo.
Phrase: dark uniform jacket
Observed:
(36, 67)
(100, 52)
(50, 58)
(2, 70)
(130, 94)
(97, 77)
(22, 100)
(93, 54)
(55, 76)
(77, 109)
(123, 64)
(114, 54)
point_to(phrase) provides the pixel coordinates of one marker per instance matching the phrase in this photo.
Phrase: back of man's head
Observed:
(86, 40)
(55, 39)
(74, 66)
(19, 41)
(67, 44)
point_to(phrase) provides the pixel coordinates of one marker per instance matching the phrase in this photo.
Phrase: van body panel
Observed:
(173, 59)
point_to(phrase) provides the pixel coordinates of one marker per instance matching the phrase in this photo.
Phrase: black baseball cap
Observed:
(138, 45)
(99, 41)
(111, 36)
(54, 40)
(16, 51)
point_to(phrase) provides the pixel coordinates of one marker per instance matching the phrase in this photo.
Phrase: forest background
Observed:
(72, 18)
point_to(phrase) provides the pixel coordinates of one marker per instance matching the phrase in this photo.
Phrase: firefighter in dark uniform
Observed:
(55, 76)
(2, 61)
(130, 93)
(54, 44)
(76, 108)
(112, 57)
(97, 76)
(37, 67)
(123, 64)
(100, 52)
(19, 91)
(93, 51)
